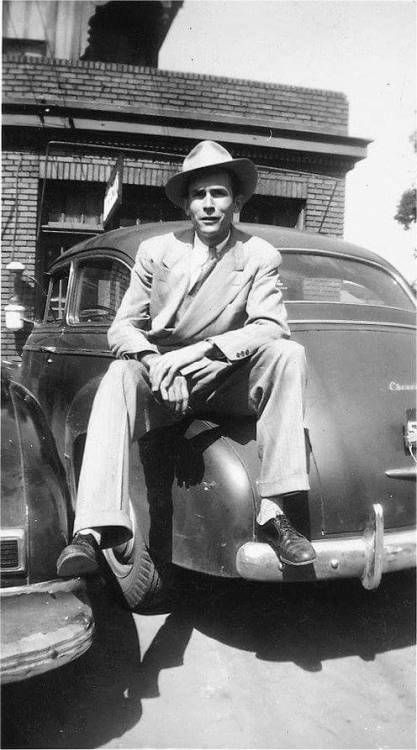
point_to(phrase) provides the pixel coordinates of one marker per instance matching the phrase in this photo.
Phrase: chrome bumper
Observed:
(44, 625)
(365, 557)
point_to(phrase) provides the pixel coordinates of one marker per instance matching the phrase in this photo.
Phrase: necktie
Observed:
(204, 271)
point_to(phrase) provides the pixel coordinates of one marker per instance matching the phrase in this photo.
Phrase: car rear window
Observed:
(311, 277)
(100, 286)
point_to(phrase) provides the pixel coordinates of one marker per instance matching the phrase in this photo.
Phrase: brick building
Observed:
(66, 121)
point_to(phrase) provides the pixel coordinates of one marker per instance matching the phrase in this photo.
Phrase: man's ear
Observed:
(238, 203)
(186, 207)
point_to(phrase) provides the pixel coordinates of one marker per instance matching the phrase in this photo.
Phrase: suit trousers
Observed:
(269, 385)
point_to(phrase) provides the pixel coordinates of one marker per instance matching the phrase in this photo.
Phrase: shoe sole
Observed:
(77, 566)
(297, 564)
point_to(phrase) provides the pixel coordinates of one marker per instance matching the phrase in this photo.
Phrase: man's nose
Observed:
(208, 202)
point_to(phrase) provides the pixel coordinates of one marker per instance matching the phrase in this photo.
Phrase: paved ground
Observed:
(239, 666)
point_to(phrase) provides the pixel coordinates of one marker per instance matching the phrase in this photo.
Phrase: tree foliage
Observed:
(406, 210)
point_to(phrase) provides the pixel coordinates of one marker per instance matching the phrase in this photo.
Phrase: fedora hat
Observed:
(211, 156)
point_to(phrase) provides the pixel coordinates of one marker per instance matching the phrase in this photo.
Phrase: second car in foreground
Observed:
(46, 622)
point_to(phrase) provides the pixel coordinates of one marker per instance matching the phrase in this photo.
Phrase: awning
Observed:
(156, 174)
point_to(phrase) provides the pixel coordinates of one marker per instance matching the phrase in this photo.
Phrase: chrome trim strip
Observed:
(330, 321)
(336, 558)
(409, 472)
(17, 535)
(82, 352)
(67, 586)
(362, 305)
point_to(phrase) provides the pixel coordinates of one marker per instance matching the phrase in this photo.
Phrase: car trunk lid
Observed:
(361, 390)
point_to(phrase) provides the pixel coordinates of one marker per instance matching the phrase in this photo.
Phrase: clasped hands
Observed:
(169, 386)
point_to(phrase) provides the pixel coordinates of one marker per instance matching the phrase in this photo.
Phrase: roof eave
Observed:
(83, 115)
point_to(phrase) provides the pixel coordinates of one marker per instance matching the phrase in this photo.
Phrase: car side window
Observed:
(100, 284)
(57, 296)
(311, 277)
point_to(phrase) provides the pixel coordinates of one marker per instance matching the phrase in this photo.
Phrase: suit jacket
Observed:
(238, 307)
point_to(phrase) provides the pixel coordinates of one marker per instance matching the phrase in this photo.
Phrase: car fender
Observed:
(213, 517)
(36, 508)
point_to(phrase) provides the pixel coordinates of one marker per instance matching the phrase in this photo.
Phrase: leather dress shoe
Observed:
(291, 546)
(80, 558)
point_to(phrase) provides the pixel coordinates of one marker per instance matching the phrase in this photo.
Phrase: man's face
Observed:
(210, 205)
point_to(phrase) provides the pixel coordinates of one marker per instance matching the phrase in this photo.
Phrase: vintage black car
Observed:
(194, 498)
(46, 622)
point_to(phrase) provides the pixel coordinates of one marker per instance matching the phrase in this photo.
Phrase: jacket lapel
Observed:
(174, 272)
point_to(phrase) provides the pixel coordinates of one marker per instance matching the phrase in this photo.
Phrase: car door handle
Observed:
(49, 349)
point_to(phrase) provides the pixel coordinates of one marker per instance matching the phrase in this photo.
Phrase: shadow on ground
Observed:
(309, 623)
(98, 698)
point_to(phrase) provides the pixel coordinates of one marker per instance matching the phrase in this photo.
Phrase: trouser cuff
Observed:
(115, 527)
(298, 483)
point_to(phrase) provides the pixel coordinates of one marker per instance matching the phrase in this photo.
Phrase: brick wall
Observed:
(111, 83)
(325, 203)
(18, 231)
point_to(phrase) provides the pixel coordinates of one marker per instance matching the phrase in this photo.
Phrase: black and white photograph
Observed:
(208, 374)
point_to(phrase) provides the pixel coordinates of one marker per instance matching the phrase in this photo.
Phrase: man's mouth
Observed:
(209, 219)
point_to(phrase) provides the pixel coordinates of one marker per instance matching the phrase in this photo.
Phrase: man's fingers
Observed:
(167, 366)
(163, 392)
(175, 395)
(179, 397)
(183, 394)
(162, 371)
(178, 393)
(156, 376)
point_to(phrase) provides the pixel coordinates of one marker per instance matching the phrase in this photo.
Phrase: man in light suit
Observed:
(202, 327)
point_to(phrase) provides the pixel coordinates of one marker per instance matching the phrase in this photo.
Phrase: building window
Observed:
(267, 209)
(73, 206)
(142, 204)
(78, 207)
(27, 47)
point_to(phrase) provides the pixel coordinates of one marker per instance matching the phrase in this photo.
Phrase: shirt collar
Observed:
(201, 247)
